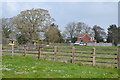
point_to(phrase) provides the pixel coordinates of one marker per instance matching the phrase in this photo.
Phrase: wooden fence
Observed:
(82, 56)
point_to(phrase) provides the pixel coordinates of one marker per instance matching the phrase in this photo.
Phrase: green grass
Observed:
(29, 67)
(98, 47)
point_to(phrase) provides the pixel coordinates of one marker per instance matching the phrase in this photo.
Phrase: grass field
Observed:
(29, 67)
(106, 47)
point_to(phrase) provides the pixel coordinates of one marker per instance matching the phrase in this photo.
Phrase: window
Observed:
(81, 37)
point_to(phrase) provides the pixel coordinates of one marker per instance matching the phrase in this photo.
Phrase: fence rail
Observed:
(87, 56)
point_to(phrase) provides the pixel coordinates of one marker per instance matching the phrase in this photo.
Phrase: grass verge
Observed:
(28, 67)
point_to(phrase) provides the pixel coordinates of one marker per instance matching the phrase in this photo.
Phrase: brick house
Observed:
(87, 38)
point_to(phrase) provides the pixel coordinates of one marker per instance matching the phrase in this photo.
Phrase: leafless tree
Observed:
(73, 29)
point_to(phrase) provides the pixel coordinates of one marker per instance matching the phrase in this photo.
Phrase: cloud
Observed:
(98, 13)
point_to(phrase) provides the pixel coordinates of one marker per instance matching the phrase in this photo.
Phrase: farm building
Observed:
(87, 38)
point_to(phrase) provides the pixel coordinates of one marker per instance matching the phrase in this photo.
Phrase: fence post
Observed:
(73, 54)
(93, 54)
(55, 51)
(0, 49)
(12, 50)
(39, 52)
(118, 56)
(24, 50)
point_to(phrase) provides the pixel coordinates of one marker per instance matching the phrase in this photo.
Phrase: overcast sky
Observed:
(91, 13)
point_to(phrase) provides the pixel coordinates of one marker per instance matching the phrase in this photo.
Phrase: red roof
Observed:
(83, 35)
(80, 35)
(85, 40)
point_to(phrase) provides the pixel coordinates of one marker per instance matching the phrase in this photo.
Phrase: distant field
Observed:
(29, 67)
(108, 47)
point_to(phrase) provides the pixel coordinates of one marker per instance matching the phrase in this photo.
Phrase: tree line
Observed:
(31, 25)
(38, 25)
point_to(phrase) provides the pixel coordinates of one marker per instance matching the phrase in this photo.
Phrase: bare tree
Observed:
(7, 27)
(70, 29)
(87, 30)
(100, 34)
(79, 27)
(73, 29)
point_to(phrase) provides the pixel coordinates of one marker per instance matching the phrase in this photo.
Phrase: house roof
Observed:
(83, 35)
(89, 35)
(80, 35)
